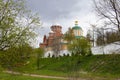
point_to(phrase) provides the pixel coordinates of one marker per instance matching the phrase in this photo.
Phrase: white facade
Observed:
(62, 53)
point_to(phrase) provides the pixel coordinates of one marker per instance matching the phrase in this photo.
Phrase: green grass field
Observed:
(96, 65)
(103, 66)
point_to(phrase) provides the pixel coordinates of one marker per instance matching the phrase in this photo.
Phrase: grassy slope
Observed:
(5, 76)
(98, 65)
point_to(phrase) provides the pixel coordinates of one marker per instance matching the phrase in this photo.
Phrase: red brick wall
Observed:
(56, 33)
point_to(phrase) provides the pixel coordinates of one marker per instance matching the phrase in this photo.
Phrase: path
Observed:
(35, 75)
(55, 77)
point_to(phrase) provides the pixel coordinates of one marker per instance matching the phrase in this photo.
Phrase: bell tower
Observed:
(57, 30)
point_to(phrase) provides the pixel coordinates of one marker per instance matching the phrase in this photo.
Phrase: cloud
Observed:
(57, 9)
(63, 12)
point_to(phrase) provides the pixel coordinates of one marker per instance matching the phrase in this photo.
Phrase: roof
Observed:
(77, 36)
(77, 27)
(51, 32)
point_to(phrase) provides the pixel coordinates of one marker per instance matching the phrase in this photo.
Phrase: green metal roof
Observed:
(77, 27)
(78, 36)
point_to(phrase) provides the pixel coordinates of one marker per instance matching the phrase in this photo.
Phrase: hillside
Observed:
(96, 65)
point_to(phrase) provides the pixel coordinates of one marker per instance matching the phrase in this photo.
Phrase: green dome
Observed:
(77, 37)
(76, 27)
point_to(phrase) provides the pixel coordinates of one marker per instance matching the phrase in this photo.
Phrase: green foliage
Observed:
(17, 24)
(1, 69)
(107, 37)
(39, 52)
(69, 35)
(80, 47)
(15, 56)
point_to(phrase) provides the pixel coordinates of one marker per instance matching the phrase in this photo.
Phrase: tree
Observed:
(109, 10)
(91, 34)
(39, 52)
(15, 56)
(80, 46)
(17, 30)
(56, 45)
(69, 35)
(106, 36)
(100, 40)
(16, 23)
(112, 36)
(88, 36)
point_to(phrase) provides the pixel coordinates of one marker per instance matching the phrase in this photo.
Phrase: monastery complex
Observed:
(54, 43)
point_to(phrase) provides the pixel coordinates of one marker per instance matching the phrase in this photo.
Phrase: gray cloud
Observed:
(54, 9)
(63, 12)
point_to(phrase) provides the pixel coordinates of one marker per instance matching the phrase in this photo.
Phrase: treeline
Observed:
(107, 37)
(107, 28)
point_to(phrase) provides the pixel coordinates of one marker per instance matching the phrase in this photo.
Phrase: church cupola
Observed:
(78, 32)
(56, 28)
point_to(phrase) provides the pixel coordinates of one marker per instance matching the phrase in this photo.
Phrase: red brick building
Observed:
(49, 40)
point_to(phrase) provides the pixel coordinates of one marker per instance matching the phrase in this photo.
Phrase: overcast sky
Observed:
(64, 13)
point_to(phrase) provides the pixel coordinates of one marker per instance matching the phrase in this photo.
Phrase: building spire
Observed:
(76, 22)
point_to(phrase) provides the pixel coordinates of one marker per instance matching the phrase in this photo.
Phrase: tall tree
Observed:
(56, 47)
(100, 36)
(69, 35)
(80, 46)
(17, 29)
(16, 23)
(39, 52)
(109, 10)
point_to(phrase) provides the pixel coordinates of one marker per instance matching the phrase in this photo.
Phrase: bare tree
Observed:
(91, 34)
(56, 46)
(109, 10)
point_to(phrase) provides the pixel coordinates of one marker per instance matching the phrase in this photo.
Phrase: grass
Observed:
(32, 68)
(104, 66)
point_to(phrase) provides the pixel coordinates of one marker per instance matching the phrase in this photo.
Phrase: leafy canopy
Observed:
(17, 24)
(80, 46)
